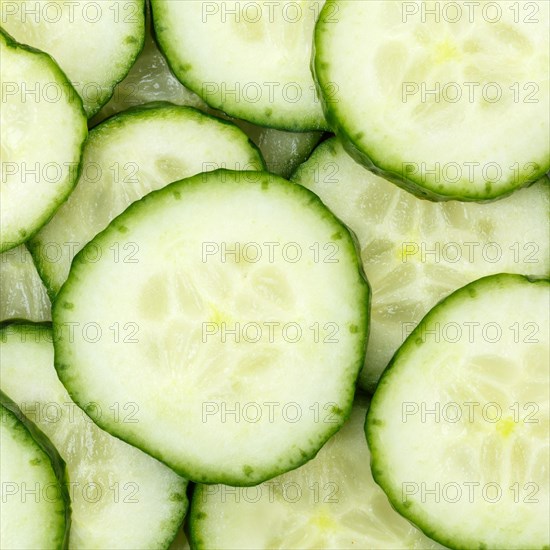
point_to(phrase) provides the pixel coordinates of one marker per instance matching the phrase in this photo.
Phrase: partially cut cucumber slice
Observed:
(41, 139)
(234, 324)
(95, 43)
(22, 292)
(450, 101)
(35, 510)
(417, 252)
(251, 60)
(458, 426)
(330, 502)
(121, 498)
(125, 158)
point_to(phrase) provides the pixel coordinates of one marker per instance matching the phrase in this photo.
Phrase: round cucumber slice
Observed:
(41, 140)
(447, 100)
(22, 293)
(95, 43)
(126, 157)
(250, 60)
(121, 497)
(35, 511)
(417, 252)
(458, 426)
(233, 324)
(330, 502)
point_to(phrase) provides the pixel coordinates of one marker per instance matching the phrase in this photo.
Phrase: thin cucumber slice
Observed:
(447, 100)
(125, 158)
(22, 292)
(121, 498)
(249, 60)
(95, 43)
(458, 426)
(416, 252)
(330, 502)
(150, 79)
(35, 511)
(41, 140)
(232, 306)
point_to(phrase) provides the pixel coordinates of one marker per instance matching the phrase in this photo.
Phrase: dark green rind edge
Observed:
(369, 161)
(195, 84)
(130, 60)
(189, 471)
(44, 331)
(57, 463)
(373, 424)
(76, 103)
(115, 122)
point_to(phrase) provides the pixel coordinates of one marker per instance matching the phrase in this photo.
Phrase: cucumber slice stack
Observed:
(458, 426)
(35, 511)
(449, 101)
(415, 252)
(95, 43)
(41, 137)
(113, 487)
(223, 338)
(330, 502)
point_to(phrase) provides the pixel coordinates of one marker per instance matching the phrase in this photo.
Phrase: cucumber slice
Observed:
(175, 353)
(22, 293)
(458, 426)
(121, 498)
(41, 140)
(417, 252)
(95, 43)
(249, 60)
(35, 511)
(125, 158)
(448, 101)
(330, 502)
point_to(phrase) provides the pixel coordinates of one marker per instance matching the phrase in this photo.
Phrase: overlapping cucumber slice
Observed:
(458, 426)
(42, 133)
(448, 100)
(121, 497)
(233, 305)
(416, 252)
(249, 60)
(95, 43)
(126, 157)
(330, 502)
(35, 511)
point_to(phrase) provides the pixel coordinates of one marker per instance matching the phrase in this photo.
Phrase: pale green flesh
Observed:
(40, 141)
(485, 456)
(150, 79)
(263, 58)
(33, 511)
(22, 293)
(330, 502)
(416, 252)
(121, 498)
(483, 131)
(178, 301)
(125, 158)
(95, 43)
